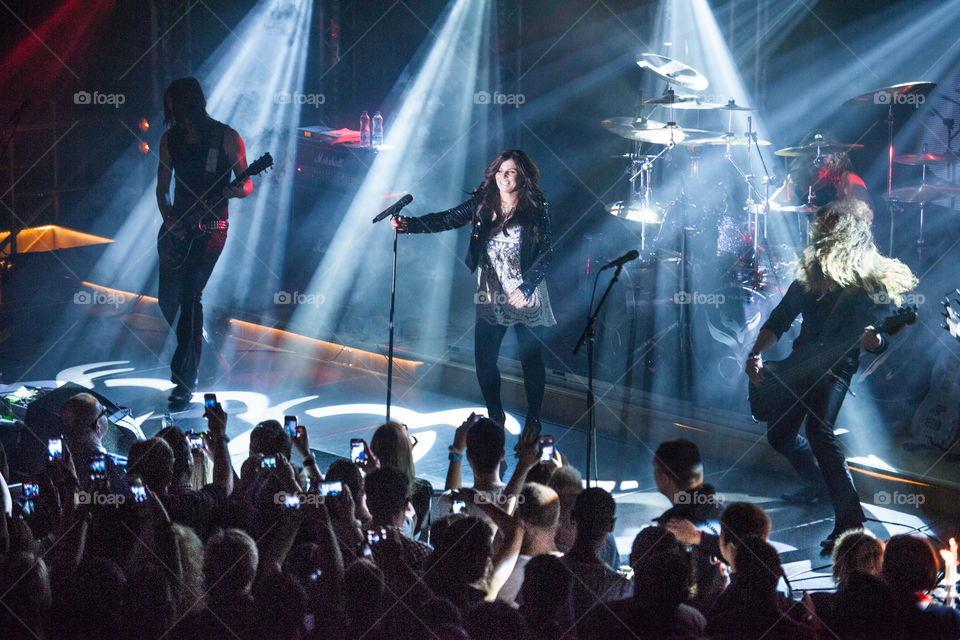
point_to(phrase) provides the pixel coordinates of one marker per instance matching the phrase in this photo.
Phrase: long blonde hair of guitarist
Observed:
(841, 252)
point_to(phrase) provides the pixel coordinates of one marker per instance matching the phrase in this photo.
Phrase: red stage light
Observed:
(144, 124)
(144, 147)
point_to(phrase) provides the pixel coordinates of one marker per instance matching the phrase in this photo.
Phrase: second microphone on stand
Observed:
(633, 254)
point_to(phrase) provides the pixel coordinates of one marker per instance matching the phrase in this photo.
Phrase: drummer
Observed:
(821, 179)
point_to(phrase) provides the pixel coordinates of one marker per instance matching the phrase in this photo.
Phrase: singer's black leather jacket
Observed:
(535, 254)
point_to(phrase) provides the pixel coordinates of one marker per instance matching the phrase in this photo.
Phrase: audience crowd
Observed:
(172, 543)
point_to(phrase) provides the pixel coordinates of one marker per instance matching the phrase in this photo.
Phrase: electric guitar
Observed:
(937, 419)
(199, 219)
(951, 318)
(780, 389)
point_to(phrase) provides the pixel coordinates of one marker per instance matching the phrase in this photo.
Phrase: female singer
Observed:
(510, 249)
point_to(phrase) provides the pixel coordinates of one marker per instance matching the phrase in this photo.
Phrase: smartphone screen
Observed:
(31, 490)
(290, 425)
(209, 400)
(458, 506)
(291, 502)
(138, 490)
(98, 468)
(356, 451)
(331, 488)
(196, 440)
(268, 463)
(546, 448)
(55, 448)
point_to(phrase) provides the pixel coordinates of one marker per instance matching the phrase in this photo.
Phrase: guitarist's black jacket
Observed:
(831, 328)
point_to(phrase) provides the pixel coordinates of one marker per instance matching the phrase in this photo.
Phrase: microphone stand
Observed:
(588, 336)
(393, 307)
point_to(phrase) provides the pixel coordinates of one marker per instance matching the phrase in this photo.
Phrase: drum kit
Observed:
(758, 271)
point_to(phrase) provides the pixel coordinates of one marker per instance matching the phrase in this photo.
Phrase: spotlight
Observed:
(144, 124)
(144, 147)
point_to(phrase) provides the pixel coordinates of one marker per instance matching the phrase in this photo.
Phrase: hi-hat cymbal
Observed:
(673, 71)
(898, 94)
(723, 139)
(651, 131)
(733, 106)
(924, 158)
(925, 192)
(812, 148)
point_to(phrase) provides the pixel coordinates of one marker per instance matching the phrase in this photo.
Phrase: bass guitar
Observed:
(782, 380)
(200, 219)
(937, 419)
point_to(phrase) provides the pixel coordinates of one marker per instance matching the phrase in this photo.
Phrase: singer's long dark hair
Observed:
(531, 197)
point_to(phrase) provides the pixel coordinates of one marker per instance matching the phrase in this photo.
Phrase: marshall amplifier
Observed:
(331, 159)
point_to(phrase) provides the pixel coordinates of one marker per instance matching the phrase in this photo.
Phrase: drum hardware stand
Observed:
(753, 193)
(641, 171)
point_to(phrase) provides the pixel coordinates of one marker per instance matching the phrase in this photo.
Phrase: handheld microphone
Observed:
(633, 254)
(394, 209)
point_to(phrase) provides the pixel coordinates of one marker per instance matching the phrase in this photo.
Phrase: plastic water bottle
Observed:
(377, 129)
(364, 129)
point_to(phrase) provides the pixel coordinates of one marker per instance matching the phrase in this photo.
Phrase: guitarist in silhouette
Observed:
(200, 153)
(842, 287)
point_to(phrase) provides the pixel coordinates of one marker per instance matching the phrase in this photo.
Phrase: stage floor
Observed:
(339, 393)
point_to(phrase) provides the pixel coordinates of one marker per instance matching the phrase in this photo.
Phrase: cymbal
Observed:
(925, 192)
(636, 212)
(733, 106)
(651, 131)
(686, 101)
(895, 94)
(673, 71)
(812, 148)
(723, 139)
(924, 158)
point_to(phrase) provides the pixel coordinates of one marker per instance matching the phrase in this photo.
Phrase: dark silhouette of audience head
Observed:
(388, 492)
(677, 466)
(594, 514)
(910, 564)
(153, 460)
(739, 521)
(546, 595)
(182, 456)
(485, 445)
(270, 439)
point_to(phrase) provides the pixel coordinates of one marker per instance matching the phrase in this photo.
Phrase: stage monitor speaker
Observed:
(26, 446)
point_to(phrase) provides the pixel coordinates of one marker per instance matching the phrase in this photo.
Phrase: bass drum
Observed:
(724, 325)
(623, 353)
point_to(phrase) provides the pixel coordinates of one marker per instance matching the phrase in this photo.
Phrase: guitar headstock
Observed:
(952, 317)
(260, 165)
(907, 314)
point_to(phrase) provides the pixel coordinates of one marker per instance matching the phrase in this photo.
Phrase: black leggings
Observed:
(817, 458)
(486, 349)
